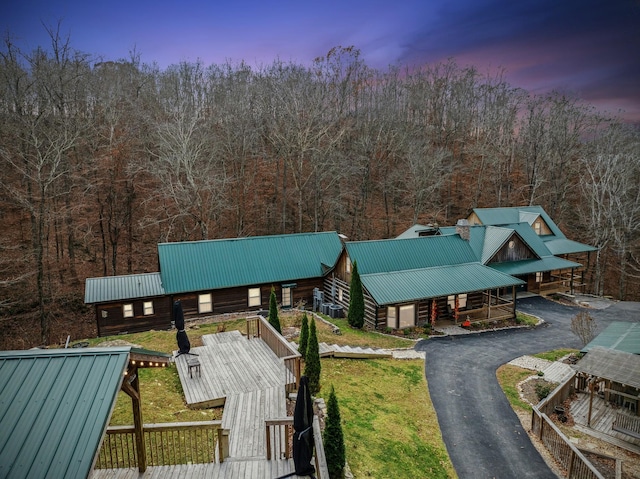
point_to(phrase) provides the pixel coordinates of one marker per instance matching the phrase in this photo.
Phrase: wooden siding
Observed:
(473, 219)
(233, 300)
(519, 251)
(110, 319)
(544, 228)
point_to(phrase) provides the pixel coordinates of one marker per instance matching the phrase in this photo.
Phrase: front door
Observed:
(286, 297)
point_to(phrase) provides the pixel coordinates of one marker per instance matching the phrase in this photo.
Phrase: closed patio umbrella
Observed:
(303, 432)
(184, 346)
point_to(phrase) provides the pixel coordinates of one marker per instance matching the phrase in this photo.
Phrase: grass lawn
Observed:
(390, 425)
(388, 420)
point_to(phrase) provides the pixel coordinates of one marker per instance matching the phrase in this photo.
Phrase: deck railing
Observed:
(575, 464)
(260, 327)
(165, 444)
(279, 439)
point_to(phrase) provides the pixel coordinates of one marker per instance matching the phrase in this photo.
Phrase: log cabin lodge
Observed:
(464, 273)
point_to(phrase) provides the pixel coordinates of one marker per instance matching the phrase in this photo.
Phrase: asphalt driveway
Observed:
(483, 435)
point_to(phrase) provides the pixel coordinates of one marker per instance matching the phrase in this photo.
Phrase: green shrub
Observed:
(355, 315)
(333, 439)
(542, 390)
(273, 311)
(312, 367)
(304, 336)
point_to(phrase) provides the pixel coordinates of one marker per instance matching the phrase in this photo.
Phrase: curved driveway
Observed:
(483, 435)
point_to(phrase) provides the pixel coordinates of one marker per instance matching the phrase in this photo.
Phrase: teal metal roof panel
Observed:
(382, 256)
(528, 217)
(404, 286)
(224, 263)
(54, 409)
(529, 266)
(512, 215)
(115, 288)
(495, 238)
(618, 335)
(566, 246)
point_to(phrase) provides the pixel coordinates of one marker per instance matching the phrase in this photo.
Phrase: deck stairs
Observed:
(353, 352)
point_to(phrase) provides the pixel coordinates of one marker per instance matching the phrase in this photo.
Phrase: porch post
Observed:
(572, 271)
(131, 386)
(489, 305)
(513, 298)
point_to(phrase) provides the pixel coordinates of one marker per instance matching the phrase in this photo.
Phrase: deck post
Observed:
(131, 386)
(513, 298)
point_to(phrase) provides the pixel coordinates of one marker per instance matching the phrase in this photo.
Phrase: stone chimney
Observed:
(462, 228)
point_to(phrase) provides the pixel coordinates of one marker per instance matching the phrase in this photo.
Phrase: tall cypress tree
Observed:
(312, 366)
(333, 439)
(304, 336)
(273, 311)
(355, 316)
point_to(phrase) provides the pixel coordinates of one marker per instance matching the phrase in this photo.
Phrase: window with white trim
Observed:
(340, 294)
(407, 316)
(348, 265)
(127, 310)
(539, 277)
(205, 303)
(462, 301)
(254, 297)
(147, 308)
(391, 317)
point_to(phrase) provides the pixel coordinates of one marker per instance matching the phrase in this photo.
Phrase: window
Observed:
(391, 317)
(539, 277)
(127, 310)
(537, 227)
(286, 297)
(205, 303)
(512, 244)
(254, 297)
(147, 307)
(407, 315)
(340, 294)
(348, 265)
(462, 301)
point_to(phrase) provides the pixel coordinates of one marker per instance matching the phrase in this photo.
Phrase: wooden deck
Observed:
(249, 380)
(230, 364)
(229, 469)
(602, 416)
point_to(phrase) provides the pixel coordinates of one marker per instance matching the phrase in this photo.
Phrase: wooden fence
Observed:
(575, 464)
(165, 444)
(257, 326)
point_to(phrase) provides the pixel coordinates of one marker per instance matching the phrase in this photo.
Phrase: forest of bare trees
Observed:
(101, 160)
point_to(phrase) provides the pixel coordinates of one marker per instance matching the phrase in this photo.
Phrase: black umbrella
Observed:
(184, 345)
(303, 432)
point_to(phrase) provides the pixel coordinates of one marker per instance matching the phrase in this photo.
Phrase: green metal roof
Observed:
(516, 214)
(54, 408)
(412, 285)
(215, 264)
(617, 366)
(566, 246)
(115, 288)
(494, 239)
(528, 266)
(382, 256)
(618, 335)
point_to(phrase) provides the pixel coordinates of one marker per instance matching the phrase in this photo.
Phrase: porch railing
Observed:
(165, 444)
(575, 464)
(259, 327)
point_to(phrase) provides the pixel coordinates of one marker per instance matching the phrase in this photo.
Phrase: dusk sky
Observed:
(588, 48)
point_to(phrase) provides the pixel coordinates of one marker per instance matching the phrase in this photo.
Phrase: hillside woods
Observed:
(101, 160)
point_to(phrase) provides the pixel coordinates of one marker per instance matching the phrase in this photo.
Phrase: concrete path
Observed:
(483, 435)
